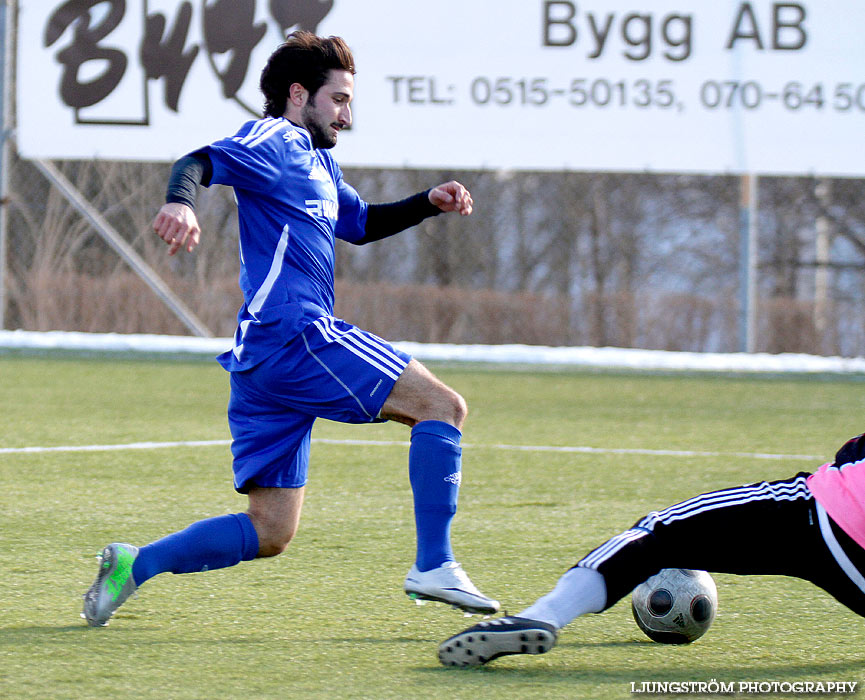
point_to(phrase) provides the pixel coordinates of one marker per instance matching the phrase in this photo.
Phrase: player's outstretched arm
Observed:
(177, 225)
(385, 220)
(452, 196)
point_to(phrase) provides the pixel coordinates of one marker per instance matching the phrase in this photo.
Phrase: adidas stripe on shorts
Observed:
(773, 528)
(331, 370)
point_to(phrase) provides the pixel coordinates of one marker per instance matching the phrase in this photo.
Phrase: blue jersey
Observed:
(292, 204)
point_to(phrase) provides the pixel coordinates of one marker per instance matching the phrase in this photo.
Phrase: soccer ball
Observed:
(675, 606)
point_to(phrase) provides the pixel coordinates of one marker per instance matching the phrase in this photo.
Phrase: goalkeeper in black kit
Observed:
(810, 526)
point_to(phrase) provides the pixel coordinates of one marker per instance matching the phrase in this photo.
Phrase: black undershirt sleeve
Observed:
(187, 174)
(383, 220)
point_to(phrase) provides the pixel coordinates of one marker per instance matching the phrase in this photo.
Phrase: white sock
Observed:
(578, 592)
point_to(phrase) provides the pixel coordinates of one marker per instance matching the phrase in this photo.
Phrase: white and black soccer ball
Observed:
(675, 606)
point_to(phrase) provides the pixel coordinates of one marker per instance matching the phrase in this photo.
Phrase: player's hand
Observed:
(452, 196)
(177, 225)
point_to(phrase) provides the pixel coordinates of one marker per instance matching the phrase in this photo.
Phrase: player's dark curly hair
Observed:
(306, 59)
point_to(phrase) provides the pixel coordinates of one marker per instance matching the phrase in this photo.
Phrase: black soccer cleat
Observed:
(500, 637)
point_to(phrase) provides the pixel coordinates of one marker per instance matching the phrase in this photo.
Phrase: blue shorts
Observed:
(331, 370)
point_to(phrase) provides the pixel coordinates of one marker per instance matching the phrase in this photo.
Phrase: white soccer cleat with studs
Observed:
(448, 584)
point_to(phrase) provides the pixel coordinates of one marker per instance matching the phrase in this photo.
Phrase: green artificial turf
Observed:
(328, 619)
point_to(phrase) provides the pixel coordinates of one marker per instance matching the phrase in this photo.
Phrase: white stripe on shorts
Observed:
(729, 497)
(366, 342)
(789, 491)
(335, 378)
(837, 551)
(364, 345)
(610, 547)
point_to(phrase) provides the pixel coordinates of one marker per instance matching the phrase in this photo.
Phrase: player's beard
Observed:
(321, 135)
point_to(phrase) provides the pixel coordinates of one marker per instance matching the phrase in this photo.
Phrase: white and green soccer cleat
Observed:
(448, 584)
(113, 585)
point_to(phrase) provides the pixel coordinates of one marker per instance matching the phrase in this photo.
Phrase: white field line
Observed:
(395, 443)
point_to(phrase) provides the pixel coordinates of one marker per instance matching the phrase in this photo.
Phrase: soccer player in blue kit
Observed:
(292, 361)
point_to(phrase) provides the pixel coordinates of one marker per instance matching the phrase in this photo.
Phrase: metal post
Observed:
(122, 248)
(822, 246)
(4, 151)
(748, 263)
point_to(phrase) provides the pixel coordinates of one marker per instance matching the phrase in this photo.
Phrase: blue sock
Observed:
(434, 462)
(213, 543)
